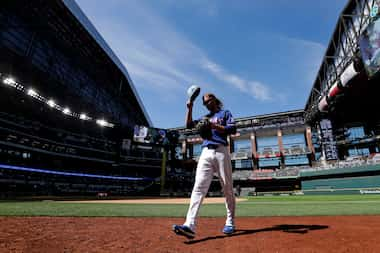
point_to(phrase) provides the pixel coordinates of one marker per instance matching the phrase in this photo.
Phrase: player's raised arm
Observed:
(192, 93)
(189, 114)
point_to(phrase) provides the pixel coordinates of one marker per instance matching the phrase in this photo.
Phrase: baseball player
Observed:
(215, 157)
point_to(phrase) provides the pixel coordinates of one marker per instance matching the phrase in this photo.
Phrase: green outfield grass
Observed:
(254, 206)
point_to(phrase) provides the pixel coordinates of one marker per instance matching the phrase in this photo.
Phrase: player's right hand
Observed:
(189, 104)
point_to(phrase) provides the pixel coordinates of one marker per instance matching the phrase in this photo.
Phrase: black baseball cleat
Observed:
(184, 231)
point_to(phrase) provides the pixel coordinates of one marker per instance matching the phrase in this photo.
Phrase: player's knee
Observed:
(228, 191)
(200, 188)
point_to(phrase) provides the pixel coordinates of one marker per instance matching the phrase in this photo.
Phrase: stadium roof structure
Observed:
(341, 90)
(78, 13)
(52, 46)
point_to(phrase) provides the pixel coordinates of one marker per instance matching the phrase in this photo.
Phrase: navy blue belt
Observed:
(212, 146)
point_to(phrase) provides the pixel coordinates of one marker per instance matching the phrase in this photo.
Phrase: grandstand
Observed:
(340, 107)
(67, 107)
(263, 146)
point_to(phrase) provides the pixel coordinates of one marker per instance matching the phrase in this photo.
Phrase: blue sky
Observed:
(257, 56)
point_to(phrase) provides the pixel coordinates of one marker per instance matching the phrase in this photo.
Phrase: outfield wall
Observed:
(344, 185)
(347, 170)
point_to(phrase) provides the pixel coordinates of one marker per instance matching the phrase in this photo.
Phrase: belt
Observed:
(212, 146)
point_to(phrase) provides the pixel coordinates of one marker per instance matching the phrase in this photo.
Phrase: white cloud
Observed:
(202, 8)
(254, 88)
(212, 10)
(259, 90)
(157, 56)
(309, 55)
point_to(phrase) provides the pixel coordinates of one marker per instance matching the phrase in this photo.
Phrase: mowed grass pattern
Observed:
(253, 207)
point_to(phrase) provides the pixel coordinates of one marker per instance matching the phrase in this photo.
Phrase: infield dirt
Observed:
(268, 234)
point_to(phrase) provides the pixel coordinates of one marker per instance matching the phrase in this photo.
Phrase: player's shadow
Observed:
(298, 229)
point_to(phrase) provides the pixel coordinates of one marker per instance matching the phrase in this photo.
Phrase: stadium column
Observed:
(183, 149)
(281, 147)
(310, 145)
(254, 150)
(322, 159)
(369, 131)
(163, 170)
(188, 147)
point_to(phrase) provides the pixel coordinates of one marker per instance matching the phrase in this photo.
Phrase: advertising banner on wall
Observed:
(328, 140)
(369, 44)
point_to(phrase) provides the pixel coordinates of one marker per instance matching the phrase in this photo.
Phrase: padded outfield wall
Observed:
(355, 180)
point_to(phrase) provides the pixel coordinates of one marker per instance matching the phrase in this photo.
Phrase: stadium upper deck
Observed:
(66, 104)
(52, 47)
(343, 101)
(271, 140)
(344, 90)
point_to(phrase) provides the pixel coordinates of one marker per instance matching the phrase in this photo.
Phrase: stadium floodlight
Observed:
(66, 111)
(51, 103)
(103, 123)
(83, 116)
(32, 93)
(10, 81)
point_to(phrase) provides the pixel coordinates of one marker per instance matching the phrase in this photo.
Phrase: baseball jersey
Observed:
(224, 118)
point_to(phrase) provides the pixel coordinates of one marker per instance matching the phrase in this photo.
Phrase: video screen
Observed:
(150, 135)
(369, 44)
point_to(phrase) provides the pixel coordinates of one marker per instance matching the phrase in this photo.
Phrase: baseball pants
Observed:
(212, 161)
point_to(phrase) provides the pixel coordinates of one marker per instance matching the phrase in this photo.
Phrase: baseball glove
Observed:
(204, 128)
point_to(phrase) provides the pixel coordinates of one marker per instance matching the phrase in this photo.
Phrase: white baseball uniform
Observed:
(215, 158)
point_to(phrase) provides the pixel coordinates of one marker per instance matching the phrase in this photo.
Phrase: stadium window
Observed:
(242, 164)
(197, 149)
(269, 162)
(296, 160)
(358, 152)
(356, 133)
(242, 145)
(267, 144)
(294, 141)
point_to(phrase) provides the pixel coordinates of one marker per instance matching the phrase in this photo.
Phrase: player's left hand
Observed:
(217, 127)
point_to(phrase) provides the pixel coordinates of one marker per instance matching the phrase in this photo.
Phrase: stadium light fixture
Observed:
(66, 111)
(103, 123)
(83, 116)
(51, 103)
(32, 93)
(10, 81)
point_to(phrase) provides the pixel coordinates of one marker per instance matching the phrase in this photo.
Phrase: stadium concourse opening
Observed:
(72, 123)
